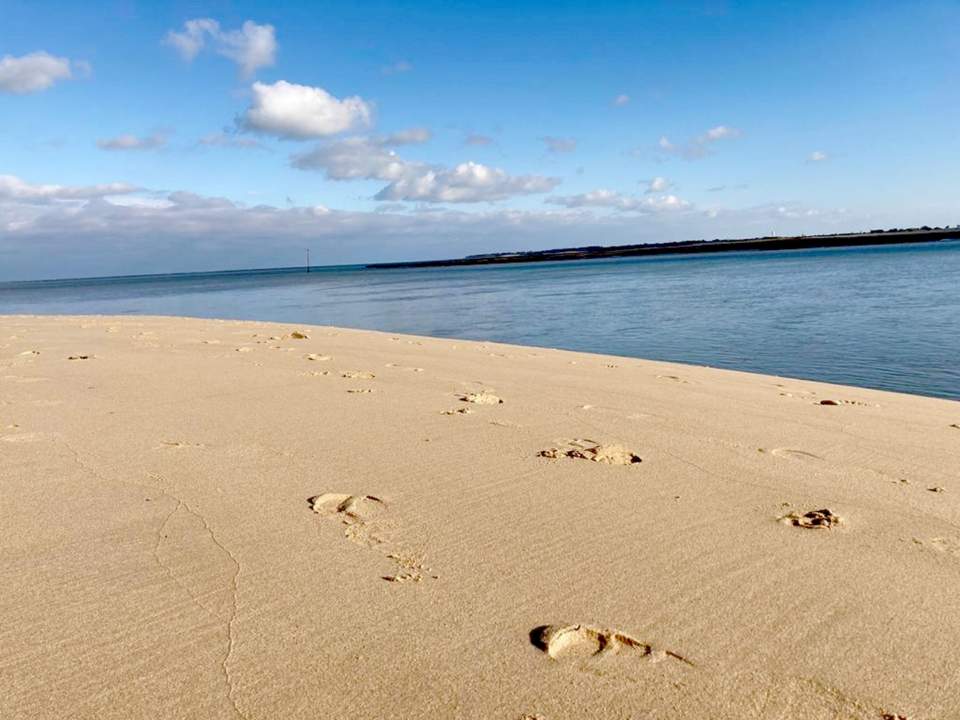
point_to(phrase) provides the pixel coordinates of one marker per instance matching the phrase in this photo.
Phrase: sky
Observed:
(142, 137)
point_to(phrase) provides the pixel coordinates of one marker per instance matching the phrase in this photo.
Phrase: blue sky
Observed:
(154, 137)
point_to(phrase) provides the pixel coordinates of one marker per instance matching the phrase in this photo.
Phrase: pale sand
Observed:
(200, 520)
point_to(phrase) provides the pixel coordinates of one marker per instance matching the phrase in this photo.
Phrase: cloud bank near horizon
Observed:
(118, 228)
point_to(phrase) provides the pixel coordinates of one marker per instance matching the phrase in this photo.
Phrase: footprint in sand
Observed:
(584, 642)
(674, 378)
(349, 508)
(409, 568)
(359, 391)
(298, 335)
(822, 519)
(79, 357)
(357, 375)
(318, 358)
(481, 398)
(829, 402)
(355, 512)
(590, 450)
(363, 519)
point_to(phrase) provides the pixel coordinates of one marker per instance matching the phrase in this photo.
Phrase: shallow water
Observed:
(882, 317)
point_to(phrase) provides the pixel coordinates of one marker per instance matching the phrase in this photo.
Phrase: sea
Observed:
(880, 317)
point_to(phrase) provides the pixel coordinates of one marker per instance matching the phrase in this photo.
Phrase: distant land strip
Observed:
(798, 242)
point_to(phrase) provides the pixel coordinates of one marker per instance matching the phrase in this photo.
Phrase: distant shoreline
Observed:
(799, 242)
(694, 247)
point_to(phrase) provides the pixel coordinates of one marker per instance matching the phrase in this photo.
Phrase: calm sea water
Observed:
(883, 317)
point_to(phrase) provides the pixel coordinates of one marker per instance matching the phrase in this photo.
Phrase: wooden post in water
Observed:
(308, 259)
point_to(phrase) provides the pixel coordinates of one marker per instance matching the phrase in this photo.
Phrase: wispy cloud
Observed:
(37, 71)
(133, 142)
(410, 136)
(818, 156)
(657, 185)
(251, 47)
(621, 100)
(721, 188)
(697, 147)
(477, 139)
(230, 140)
(603, 198)
(15, 188)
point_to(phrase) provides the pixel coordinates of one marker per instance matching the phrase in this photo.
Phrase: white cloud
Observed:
(14, 188)
(252, 46)
(560, 144)
(301, 112)
(132, 142)
(366, 158)
(36, 71)
(604, 198)
(621, 100)
(818, 156)
(658, 185)
(699, 146)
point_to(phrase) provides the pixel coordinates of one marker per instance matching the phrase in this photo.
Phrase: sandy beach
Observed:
(221, 519)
